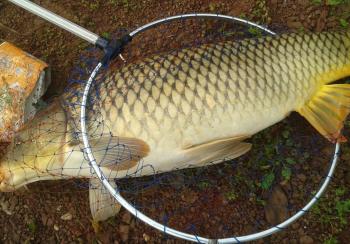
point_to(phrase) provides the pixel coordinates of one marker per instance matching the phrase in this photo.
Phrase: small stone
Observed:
(295, 226)
(146, 237)
(347, 178)
(295, 24)
(126, 218)
(67, 217)
(189, 197)
(276, 209)
(301, 177)
(44, 218)
(274, 2)
(132, 224)
(301, 232)
(75, 231)
(49, 222)
(56, 228)
(306, 240)
(124, 232)
(302, 3)
(4, 206)
(59, 208)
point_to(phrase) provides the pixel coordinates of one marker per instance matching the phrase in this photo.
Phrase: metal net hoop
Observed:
(165, 229)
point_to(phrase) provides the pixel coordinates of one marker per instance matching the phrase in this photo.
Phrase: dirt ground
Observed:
(253, 193)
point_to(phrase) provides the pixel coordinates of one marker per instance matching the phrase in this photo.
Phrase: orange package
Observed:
(19, 76)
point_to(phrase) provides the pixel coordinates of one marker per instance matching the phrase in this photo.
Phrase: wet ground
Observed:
(251, 194)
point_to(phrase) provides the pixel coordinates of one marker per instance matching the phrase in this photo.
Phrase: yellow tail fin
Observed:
(328, 109)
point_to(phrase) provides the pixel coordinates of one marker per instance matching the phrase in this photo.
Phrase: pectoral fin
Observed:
(118, 153)
(102, 204)
(218, 150)
(327, 111)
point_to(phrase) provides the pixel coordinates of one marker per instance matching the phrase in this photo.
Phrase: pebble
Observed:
(67, 217)
(347, 178)
(276, 209)
(59, 208)
(306, 240)
(56, 228)
(295, 226)
(124, 232)
(4, 206)
(44, 218)
(294, 24)
(49, 222)
(126, 218)
(13, 204)
(189, 197)
(301, 232)
(302, 177)
(146, 237)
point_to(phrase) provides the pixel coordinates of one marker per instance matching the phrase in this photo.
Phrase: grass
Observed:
(231, 195)
(32, 227)
(106, 35)
(276, 165)
(255, 31)
(331, 2)
(267, 181)
(334, 210)
(343, 23)
(331, 240)
(286, 173)
(204, 185)
(343, 209)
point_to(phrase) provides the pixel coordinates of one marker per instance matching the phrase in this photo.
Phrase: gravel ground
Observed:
(219, 201)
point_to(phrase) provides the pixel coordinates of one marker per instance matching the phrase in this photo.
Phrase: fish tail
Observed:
(328, 109)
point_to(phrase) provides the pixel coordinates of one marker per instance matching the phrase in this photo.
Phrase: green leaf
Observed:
(267, 181)
(255, 31)
(106, 35)
(285, 134)
(286, 173)
(343, 208)
(32, 227)
(334, 2)
(340, 191)
(231, 196)
(331, 240)
(343, 23)
(290, 161)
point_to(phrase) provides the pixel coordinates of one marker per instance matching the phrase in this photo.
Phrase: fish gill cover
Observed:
(235, 197)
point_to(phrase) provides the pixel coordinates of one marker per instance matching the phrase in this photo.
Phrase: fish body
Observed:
(189, 108)
(227, 90)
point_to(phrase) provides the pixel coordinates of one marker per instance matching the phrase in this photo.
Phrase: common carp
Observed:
(189, 108)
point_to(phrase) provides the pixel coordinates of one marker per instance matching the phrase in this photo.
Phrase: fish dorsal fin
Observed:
(328, 109)
(118, 153)
(102, 203)
(213, 151)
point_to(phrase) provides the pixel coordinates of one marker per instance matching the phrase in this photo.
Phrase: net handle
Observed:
(61, 22)
(153, 223)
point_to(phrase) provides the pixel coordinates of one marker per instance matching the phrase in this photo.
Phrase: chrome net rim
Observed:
(165, 229)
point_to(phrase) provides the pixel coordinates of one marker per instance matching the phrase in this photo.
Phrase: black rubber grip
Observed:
(114, 48)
